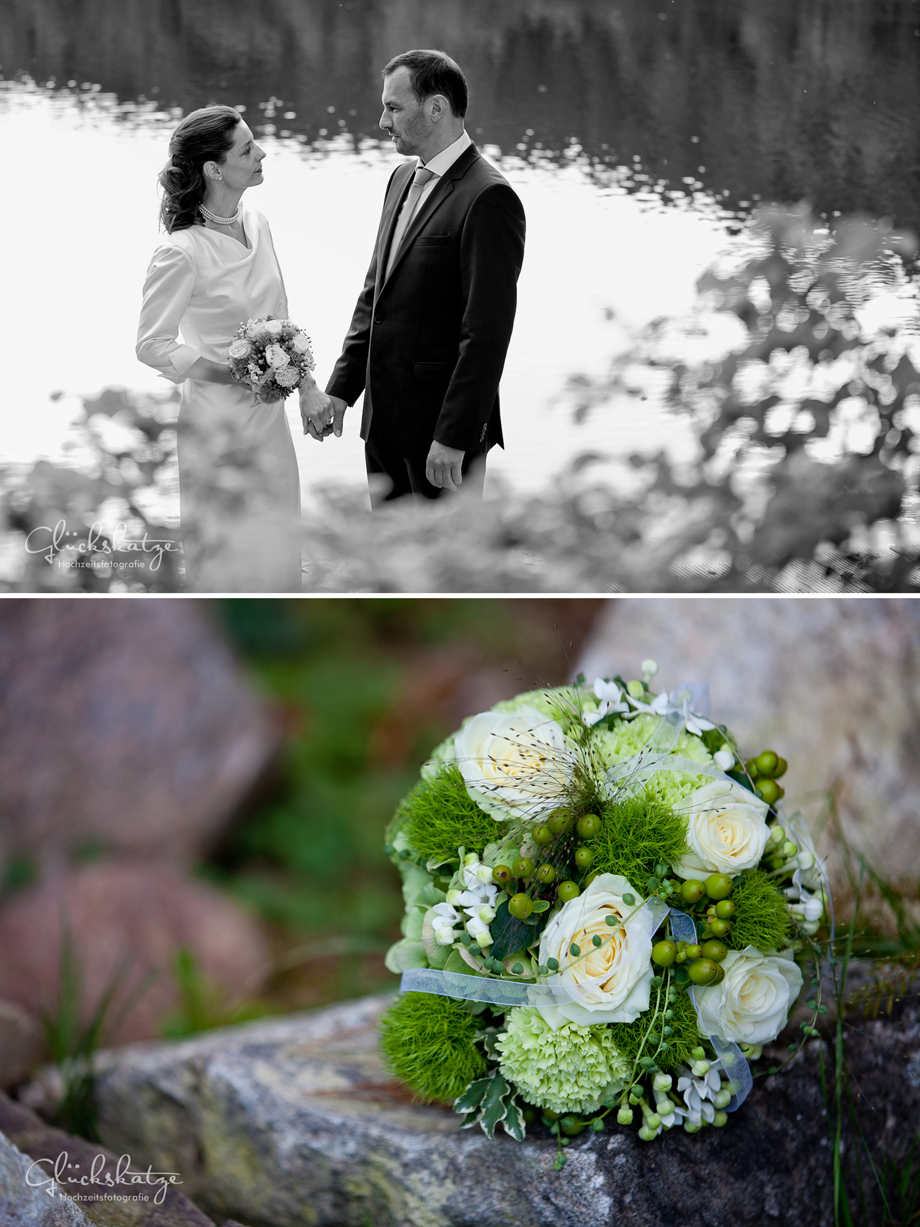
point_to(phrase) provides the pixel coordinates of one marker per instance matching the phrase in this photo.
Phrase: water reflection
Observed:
(782, 100)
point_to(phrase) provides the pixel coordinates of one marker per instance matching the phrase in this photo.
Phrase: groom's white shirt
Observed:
(441, 163)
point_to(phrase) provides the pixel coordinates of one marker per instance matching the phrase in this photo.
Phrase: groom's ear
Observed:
(439, 106)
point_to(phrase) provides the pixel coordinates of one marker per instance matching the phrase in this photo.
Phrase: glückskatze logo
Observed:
(50, 541)
(61, 1172)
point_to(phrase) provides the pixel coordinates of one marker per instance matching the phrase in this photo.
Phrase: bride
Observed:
(239, 487)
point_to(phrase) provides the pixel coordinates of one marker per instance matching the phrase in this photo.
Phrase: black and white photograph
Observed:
(524, 296)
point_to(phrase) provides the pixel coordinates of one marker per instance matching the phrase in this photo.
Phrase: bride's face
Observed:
(242, 166)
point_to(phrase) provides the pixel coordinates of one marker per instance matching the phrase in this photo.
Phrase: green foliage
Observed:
(439, 816)
(685, 1036)
(511, 935)
(762, 918)
(202, 1006)
(637, 832)
(429, 1043)
(72, 1036)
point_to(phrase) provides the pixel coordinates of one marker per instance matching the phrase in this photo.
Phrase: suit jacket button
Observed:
(377, 319)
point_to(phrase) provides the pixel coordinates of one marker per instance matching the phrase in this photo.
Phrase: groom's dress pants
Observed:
(406, 474)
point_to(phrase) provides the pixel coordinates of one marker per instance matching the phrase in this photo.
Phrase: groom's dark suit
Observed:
(427, 344)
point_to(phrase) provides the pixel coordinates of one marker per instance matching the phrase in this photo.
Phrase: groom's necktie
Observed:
(422, 176)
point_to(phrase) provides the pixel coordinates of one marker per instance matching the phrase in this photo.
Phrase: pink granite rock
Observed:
(125, 722)
(136, 913)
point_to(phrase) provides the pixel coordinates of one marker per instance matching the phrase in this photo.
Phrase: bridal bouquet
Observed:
(271, 356)
(605, 911)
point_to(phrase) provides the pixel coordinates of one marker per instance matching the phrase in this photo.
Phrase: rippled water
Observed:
(637, 135)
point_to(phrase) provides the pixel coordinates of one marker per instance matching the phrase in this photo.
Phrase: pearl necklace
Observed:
(218, 221)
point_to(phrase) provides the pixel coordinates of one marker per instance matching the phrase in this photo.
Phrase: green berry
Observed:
(518, 969)
(574, 950)
(767, 789)
(715, 951)
(520, 906)
(720, 1119)
(692, 891)
(588, 825)
(542, 835)
(546, 874)
(702, 971)
(725, 909)
(559, 821)
(584, 857)
(718, 886)
(567, 891)
(571, 1126)
(590, 878)
(629, 900)
(664, 952)
(552, 964)
(475, 949)
(780, 768)
(766, 762)
(720, 928)
(597, 940)
(694, 952)
(523, 868)
(502, 875)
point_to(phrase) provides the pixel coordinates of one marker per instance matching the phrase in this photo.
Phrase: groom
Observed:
(430, 331)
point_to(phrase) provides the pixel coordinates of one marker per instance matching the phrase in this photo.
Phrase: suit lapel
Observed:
(401, 180)
(441, 191)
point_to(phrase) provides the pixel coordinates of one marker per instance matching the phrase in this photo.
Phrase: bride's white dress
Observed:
(239, 488)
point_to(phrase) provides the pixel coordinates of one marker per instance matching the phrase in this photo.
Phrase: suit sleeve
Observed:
(491, 254)
(350, 372)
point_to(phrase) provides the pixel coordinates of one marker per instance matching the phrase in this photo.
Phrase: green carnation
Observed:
(564, 704)
(630, 737)
(570, 1070)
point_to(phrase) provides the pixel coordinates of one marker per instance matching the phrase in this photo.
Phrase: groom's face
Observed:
(405, 118)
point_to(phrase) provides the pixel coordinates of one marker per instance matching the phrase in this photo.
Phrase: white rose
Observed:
(274, 328)
(276, 357)
(301, 343)
(515, 765)
(240, 349)
(726, 830)
(619, 970)
(752, 1003)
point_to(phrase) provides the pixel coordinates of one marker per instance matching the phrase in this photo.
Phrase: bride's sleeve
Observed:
(167, 290)
(282, 309)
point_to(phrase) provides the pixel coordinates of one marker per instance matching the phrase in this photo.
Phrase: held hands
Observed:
(321, 414)
(443, 466)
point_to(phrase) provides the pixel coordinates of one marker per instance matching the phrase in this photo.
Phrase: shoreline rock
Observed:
(296, 1121)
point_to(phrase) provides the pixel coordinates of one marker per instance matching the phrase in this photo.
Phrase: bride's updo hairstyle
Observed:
(203, 136)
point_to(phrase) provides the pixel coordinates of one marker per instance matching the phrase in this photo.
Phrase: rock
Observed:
(124, 723)
(25, 1206)
(832, 685)
(296, 1121)
(21, 1043)
(116, 1192)
(132, 914)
